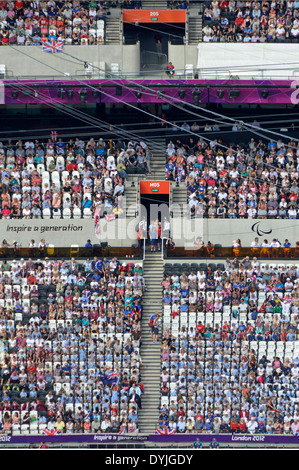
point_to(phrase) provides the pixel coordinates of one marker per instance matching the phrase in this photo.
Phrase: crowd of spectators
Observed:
(250, 21)
(67, 178)
(178, 4)
(230, 355)
(69, 22)
(254, 180)
(70, 345)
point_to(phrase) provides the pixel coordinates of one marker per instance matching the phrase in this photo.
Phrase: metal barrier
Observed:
(215, 251)
(100, 250)
(150, 59)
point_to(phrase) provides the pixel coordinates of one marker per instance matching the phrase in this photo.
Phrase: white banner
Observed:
(247, 61)
(225, 231)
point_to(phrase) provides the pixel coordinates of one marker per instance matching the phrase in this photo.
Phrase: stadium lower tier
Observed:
(71, 348)
(230, 350)
(70, 341)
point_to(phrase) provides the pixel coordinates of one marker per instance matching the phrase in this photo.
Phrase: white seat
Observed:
(100, 32)
(60, 160)
(189, 70)
(184, 319)
(110, 161)
(75, 174)
(55, 175)
(77, 213)
(56, 214)
(52, 324)
(100, 24)
(167, 309)
(40, 168)
(30, 167)
(66, 212)
(49, 161)
(46, 175)
(24, 428)
(46, 213)
(115, 68)
(87, 214)
(64, 175)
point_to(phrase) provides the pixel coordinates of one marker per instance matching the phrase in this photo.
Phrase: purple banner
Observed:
(116, 438)
(228, 438)
(65, 438)
(146, 91)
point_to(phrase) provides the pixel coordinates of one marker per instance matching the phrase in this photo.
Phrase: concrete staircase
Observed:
(159, 159)
(178, 212)
(131, 193)
(154, 4)
(157, 173)
(179, 198)
(194, 29)
(153, 266)
(113, 29)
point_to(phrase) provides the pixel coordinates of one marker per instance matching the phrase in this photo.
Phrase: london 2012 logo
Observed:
(295, 93)
(256, 228)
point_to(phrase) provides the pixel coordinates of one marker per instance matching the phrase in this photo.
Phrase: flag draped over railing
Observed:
(53, 46)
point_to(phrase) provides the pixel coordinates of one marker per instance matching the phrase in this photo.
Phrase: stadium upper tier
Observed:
(77, 22)
(250, 21)
(86, 178)
(83, 22)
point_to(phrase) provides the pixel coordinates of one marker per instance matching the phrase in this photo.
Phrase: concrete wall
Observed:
(180, 55)
(32, 61)
(277, 60)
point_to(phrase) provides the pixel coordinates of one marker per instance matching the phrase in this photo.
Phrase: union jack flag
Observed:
(54, 136)
(53, 46)
(132, 429)
(165, 431)
(122, 429)
(110, 217)
(51, 432)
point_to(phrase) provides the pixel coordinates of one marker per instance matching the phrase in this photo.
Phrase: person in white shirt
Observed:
(255, 243)
(252, 425)
(294, 371)
(288, 285)
(275, 243)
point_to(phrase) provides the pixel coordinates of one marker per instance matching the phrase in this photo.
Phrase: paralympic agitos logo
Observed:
(255, 228)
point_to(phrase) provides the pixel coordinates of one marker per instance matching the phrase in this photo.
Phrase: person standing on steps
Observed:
(148, 159)
(159, 239)
(156, 326)
(153, 235)
(151, 325)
